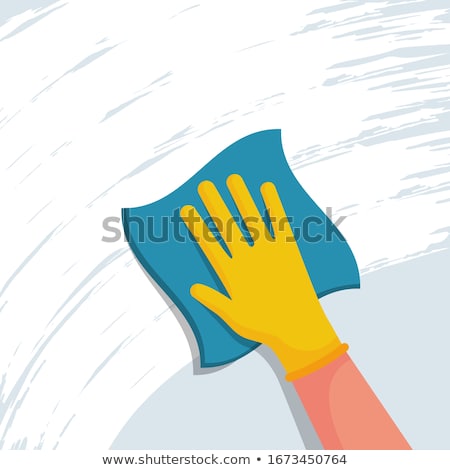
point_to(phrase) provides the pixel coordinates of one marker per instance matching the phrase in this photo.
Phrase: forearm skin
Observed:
(345, 411)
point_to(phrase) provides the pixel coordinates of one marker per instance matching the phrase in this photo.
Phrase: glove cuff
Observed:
(323, 361)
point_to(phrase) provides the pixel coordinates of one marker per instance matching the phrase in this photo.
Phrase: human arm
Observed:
(270, 299)
(345, 411)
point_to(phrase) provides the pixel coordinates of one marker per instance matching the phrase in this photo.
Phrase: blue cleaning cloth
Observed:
(166, 250)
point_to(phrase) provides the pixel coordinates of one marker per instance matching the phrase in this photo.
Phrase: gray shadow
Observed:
(305, 428)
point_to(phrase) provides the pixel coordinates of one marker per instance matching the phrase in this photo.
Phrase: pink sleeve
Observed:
(345, 411)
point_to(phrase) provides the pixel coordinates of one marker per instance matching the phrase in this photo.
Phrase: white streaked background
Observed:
(111, 104)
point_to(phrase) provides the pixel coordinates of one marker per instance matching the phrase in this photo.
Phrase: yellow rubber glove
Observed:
(271, 299)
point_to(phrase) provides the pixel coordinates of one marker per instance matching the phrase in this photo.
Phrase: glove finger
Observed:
(213, 300)
(279, 220)
(220, 214)
(208, 243)
(247, 207)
